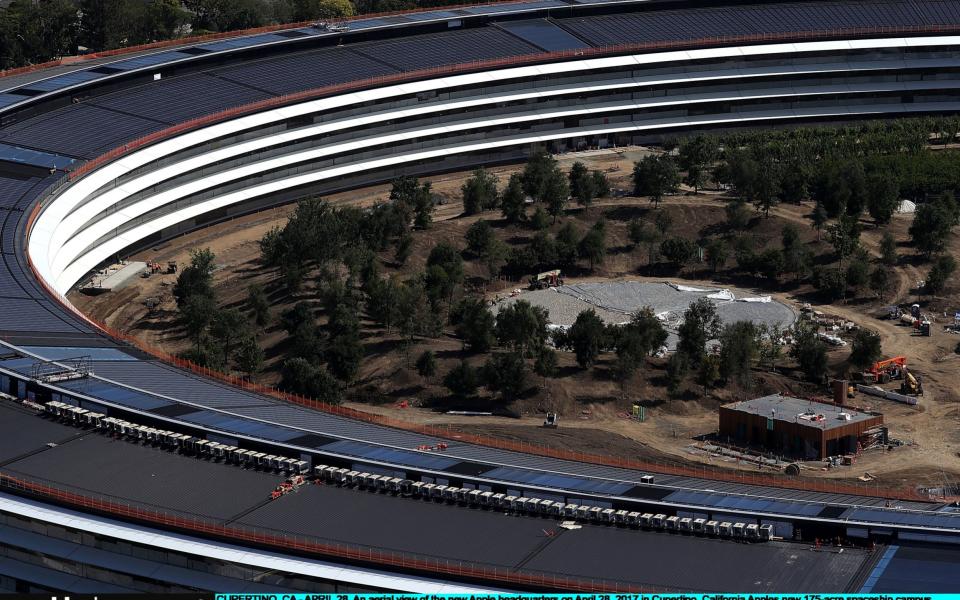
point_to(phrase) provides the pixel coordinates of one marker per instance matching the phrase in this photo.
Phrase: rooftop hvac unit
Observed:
(646, 520)
(583, 512)
(509, 502)
(497, 500)
(752, 531)
(264, 460)
(340, 475)
(737, 529)
(633, 518)
(646, 479)
(461, 495)
(620, 516)
(485, 498)
(394, 484)
(351, 477)
(383, 483)
(450, 494)
(607, 515)
(301, 467)
(406, 487)
(657, 520)
(711, 528)
(725, 529)
(766, 532)
(671, 522)
(555, 509)
(594, 513)
(276, 462)
(437, 492)
(685, 524)
(416, 488)
(367, 479)
(473, 497)
(698, 525)
(570, 510)
(427, 490)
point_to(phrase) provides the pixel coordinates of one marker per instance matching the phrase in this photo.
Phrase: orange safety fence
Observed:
(822, 485)
(221, 35)
(306, 544)
(484, 65)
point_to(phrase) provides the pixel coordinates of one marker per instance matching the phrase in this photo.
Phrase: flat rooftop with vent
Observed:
(799, 428)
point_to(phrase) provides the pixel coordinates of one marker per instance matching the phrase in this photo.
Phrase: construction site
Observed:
(593, 412)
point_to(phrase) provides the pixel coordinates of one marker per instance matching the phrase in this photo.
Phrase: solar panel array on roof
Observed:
(78, 130)
(698, 23)
(62, 352)
(13, 190)
(401, 457)
(183, 98)
(25, 156)
(564, 482)
(946, 521)
(9, 282)
(232, 424)
(63, 81)
(30, 314)
(511, 7)
(425, 51)
(544, 34)
(305, 70)
(114, 393)
(744, 503)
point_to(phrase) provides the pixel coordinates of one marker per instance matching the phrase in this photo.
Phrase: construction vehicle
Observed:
(171, 266)
(911, 385)
(546, 279)
(551, 421)
(891, 368)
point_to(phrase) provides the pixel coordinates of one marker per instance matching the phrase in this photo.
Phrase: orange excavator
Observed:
(891, 368)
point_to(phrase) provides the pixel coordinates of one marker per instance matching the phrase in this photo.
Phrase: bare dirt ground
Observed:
(593, 407)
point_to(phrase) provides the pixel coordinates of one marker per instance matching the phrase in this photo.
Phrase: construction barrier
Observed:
(190, 523)
(742, 477)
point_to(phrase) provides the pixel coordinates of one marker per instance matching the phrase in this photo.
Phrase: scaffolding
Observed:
(50, 371)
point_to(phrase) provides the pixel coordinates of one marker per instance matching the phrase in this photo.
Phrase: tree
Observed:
(679, 251)
(636, 340)
(809, 352)
(767, 187)
(546, 364)
(541, 167)
(700, 325)
(566, 243)
(663, 222)
(197, 278)
(587, 337)
(695, 155)
(820, 218)
(930, 228)
(480, 237)
(512, 201)
(830, 281)
(505, 372)
(858, 273)
(879, 280)
(308, 10)
(427, 364)
(738, 349)
(844, 235)
(601, 186)
(677, 368)
(655, 176)
(344, 352)
(479, 192)
(539, 220)
(555, 195)
(258, 304)
(738, 216)
(582, 185)
(865, 349)
(709, 372)
(474, 324)
(522, 326)
(414, 198)
(250, 356)
(593, 245)
(444, 272)
(227, 327)
(717, 254)
(769, 345)
(462, 380)
(302, 377)
(197, 313)
(940, 274)
(888, 250)
(883, 191)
